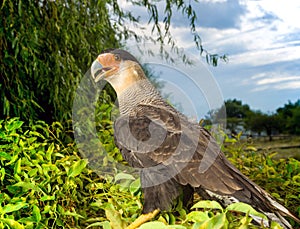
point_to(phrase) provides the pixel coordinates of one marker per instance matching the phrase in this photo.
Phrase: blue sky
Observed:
(261, 39)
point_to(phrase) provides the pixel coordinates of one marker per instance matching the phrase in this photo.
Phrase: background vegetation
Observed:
(286, 119)
(45, 49)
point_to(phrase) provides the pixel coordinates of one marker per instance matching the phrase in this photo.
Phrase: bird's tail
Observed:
(259, 199)
(277, 212)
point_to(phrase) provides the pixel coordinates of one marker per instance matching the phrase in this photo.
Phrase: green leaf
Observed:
(14, 125)
(135, 186)
(77, 168)
(26, 186)
(275, 225)
(176, 227)
(50, 151)
(217, 222)
(35, 133)
(36, 213)
(32, 172)
(13, 207)
(153, 225)
(296, 180)
(13, 159)
(17, 168)
(196, 225)
(74, 214)
(2, 174)
(123, 176)
(104, 225)
(5, 156)
(12, 223)
(245, 208)
(114, 216)
(46, 197)
(197, 216)
(245, 221)
(208, 204)
(14, 189)
(251, 148)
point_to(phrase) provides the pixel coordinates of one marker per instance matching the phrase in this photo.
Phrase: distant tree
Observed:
(290, 113)
(286, 119)
(254, 122)
(287, 109)
(236, 112)
(236, 109)
(260, 122)
(293, 122)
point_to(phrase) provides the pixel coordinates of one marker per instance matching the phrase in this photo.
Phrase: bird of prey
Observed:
(176, 156)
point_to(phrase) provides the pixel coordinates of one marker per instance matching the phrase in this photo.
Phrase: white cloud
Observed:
(276, 80)
(273, 81)
(287, 11)
(267, 56)
(288, 85)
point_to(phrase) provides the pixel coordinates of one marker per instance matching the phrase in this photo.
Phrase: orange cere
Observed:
(107, 60)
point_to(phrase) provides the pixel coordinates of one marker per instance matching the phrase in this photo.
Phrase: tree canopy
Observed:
(290, 117)
(46, 47)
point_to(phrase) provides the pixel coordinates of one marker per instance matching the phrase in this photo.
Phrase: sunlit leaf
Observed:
(15, 124)
(275, 225)
(5, 156)
(245, 221)
(76, 215)
(208, 204)
(251, 148)
(26, 186)
(123, 176)
(114, 216)
(197, 216)
(36, 213)
(104, 225)
(12, 223)
(216, 222)
(245, 208)
(153, 225)
(13, 207)
(135, 186)
(46, 197)
(77, 168)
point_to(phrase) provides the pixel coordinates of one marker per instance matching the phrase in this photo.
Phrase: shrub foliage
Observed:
(46, 184)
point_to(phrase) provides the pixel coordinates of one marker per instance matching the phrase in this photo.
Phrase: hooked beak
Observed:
(97, 71)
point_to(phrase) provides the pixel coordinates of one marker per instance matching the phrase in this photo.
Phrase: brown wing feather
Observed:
(163, 136)
(155, 135)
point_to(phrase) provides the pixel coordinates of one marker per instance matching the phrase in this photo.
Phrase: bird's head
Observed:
(118, 67)
(111, 63)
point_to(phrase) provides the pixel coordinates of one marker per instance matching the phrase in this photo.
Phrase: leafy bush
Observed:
(46, 184)
(281, 177)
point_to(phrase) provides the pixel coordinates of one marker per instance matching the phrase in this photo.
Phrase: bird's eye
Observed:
(117, 57)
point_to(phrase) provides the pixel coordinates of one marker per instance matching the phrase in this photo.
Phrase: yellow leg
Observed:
(143, 219)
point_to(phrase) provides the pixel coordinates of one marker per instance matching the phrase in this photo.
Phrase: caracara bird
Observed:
(176, 156)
